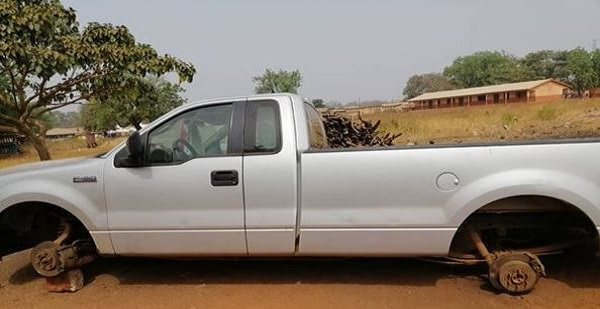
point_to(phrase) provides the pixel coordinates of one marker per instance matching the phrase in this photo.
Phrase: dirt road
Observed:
(364, 283)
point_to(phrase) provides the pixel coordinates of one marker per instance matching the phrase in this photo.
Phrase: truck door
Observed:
(187, 199)
(270, 177)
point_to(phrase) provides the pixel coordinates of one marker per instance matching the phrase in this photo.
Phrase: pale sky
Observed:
(345, 49)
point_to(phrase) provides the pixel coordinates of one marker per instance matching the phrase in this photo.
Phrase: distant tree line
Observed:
(58, 119)
(577, 67)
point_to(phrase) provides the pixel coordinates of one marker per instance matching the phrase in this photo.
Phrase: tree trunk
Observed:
(39, 143)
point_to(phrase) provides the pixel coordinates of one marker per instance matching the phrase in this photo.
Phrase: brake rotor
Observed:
(516, 273)
(45, 259)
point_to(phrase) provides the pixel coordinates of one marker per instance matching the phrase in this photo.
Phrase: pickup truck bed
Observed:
(403, 196)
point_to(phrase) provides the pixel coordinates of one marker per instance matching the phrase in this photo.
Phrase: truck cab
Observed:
(215, 178)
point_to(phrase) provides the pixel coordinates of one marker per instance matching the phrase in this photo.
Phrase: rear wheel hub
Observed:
(516, 273)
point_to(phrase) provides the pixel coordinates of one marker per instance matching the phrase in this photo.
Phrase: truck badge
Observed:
(81, 179)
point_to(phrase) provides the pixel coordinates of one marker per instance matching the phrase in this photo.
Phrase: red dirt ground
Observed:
(351, 283)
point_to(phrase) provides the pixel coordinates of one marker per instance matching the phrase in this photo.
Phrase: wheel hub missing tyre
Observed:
(517, 276)
(515, 272)
(45, 259)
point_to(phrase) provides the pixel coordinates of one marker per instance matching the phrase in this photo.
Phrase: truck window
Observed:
(316, 130)
(262, 128)
(202, 132)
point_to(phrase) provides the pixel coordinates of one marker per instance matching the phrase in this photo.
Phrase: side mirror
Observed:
(135, 146)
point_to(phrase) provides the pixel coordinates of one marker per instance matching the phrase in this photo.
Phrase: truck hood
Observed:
(59, 170)
(41, 166)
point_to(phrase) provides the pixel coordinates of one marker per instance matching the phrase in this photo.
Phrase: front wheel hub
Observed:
(45, 259)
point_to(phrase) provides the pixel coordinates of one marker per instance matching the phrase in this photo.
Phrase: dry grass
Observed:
(561, 119)
(75, 147)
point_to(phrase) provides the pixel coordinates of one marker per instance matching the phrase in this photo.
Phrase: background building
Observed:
(531, 91)
(64, 133)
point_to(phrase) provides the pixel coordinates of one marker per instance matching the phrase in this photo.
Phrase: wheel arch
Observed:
(27, 208)
(523, 204)
(52, 200)
(569, 189)
(25, 211)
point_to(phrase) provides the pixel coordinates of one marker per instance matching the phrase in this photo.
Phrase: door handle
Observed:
(224, 178)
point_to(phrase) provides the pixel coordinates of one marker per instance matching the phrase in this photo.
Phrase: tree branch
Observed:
(10, 120)
(8, 129)
(12, 85)
(65, 87)
(21, 89)
(73, 80)
(61, 105)
(38, 92)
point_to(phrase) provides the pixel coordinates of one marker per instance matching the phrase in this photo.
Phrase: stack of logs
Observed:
(343, 132)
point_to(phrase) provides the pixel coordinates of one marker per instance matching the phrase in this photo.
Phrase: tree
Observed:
(144, 100)
(429, 82)
(579, 70)
(50, 63)
(485, 68)
(95, 117)
(545, 64)
(60, 119)
(281, 81)
(319, 103)
(596, 65)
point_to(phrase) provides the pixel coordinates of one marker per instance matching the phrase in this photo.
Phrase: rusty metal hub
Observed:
(45, 259)
(516, 272)
(50, 259)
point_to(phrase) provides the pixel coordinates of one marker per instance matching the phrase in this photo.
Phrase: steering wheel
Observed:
(180, 145)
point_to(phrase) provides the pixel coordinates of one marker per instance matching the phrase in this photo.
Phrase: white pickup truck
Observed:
(254, 176)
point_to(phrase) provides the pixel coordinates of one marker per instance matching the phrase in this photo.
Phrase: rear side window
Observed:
(316, 130)
(262, 129)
